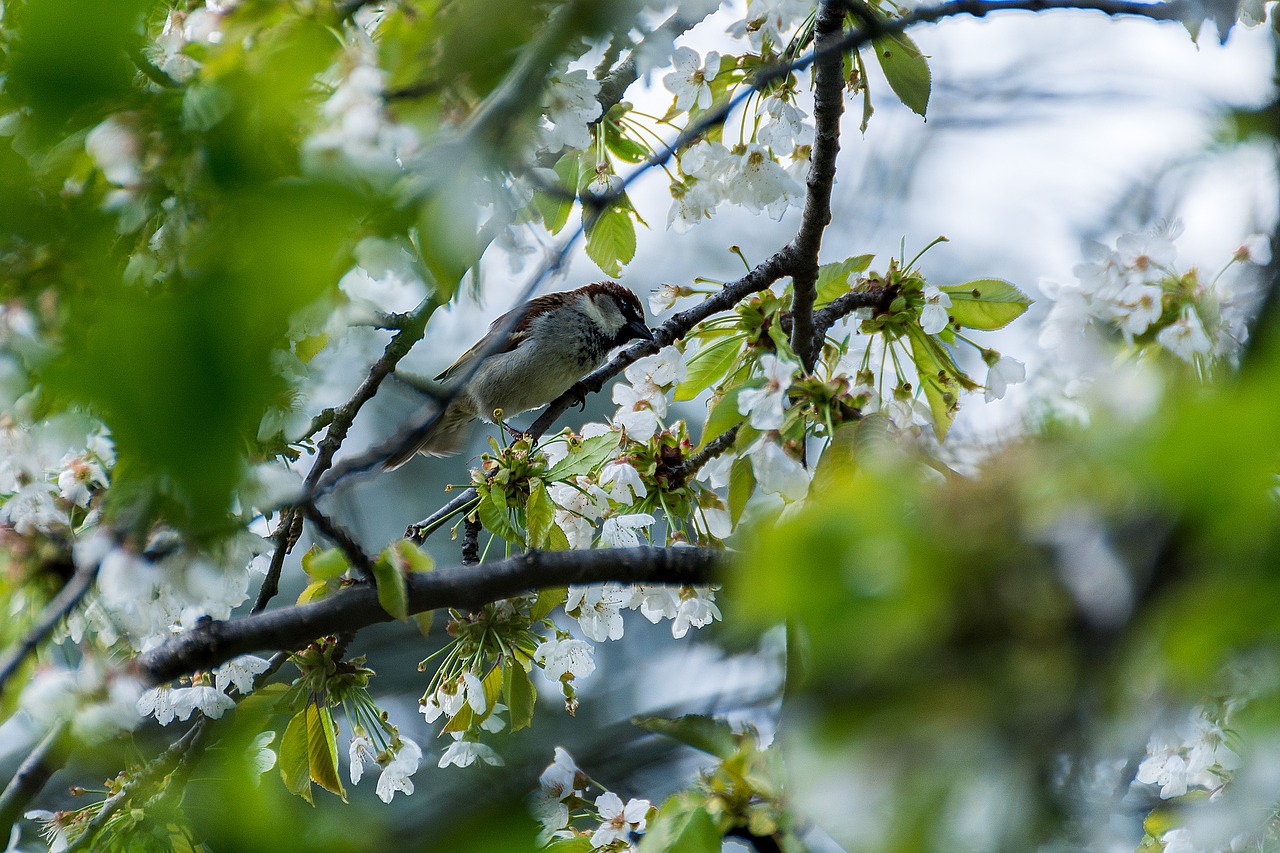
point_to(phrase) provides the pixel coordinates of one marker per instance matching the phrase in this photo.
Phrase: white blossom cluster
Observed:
(1136, 289)
(562, 782)
(356, 128)
(42, 480)
(1194, 754)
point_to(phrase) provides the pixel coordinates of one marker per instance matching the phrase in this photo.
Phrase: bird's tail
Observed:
(445, 436)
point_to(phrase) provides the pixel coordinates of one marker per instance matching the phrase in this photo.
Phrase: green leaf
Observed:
(681, 827)
(742, 484)
(581, 844)
(986, 304)
(937, 378)
(393, 590)
(520, 695)
(590, 453)
(611, 240)
(554, 207)
(696, 730)
(322, 749)
(323, 565)
(723, 416)
(547, 600)
(295, 767)
(413, 559)
(496, 521)
(539, 515)
(708, 366)
(203, 106)
(906, 69)
(834, 279)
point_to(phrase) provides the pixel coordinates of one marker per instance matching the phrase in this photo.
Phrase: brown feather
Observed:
(532, 308)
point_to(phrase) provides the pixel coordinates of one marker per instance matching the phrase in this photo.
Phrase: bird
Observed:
(557, 340)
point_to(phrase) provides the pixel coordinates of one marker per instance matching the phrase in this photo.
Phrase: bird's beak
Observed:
(638, 329)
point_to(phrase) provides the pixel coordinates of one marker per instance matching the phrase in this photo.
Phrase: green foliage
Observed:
(987, 304)
(611, 239)
(906, 69)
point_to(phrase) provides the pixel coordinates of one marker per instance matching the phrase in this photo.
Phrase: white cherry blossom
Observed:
(622, 482)
(569, 656)
(463, 753)
(776, 471)
(556, 784)
(210, 701)
(570, 106)
(396, 772)
(1138, 306)
(620, 530)
(619, 820)
(765, 405)
(1185, 337)
(241, 672)
(1004, 372)
(598, 611)
(689, 81)
(933, 316)
(761, 184)
(697, 609)
(361, 751)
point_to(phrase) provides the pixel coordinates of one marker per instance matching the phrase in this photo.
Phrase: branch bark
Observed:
(212, 643)
(828, 106)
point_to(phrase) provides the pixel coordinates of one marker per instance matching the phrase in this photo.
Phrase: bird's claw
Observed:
(578, 395)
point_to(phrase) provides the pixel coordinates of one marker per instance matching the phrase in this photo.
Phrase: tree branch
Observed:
(212, 643)
(828, 106)
(62, 604)
(33, 774)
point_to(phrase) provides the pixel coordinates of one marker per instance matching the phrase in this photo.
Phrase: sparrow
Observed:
(559, 339)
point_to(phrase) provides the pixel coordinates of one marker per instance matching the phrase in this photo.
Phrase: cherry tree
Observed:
(1060, 635)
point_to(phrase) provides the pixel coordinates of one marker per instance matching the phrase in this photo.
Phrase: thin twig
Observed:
(421, 530)
(714, 448)
(471, 540)
(62, 604)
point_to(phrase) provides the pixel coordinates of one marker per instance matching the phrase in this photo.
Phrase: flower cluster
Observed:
(1194, 754)
(1137, 290)
(561, 800)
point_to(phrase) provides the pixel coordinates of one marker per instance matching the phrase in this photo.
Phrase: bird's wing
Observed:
(530, 310)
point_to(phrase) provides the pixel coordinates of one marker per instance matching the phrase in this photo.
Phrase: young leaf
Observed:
(723, 416)
(539, 515)
(682, 826)
(588, 455)
(611, 240)
(906, 69)
(554, 207)
(520, 695)
(937, 378)
(393, 590)
(322, 565)
(986, 304)
(547, 600)
(295, 767)
(322, 749)
(413, 559)
(834, 279)
(495, 519)
(313, 591)
(708, 365)
(696, 730)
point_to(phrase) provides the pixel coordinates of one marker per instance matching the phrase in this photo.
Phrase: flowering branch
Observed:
(162, 765)
(828, 106)
(413, 327)
(468, 587)
(62, 604)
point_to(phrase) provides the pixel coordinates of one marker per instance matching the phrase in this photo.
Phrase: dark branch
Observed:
(828, 106)
(62, 604)
(420, 531)
(212, 643)
(714, 448)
